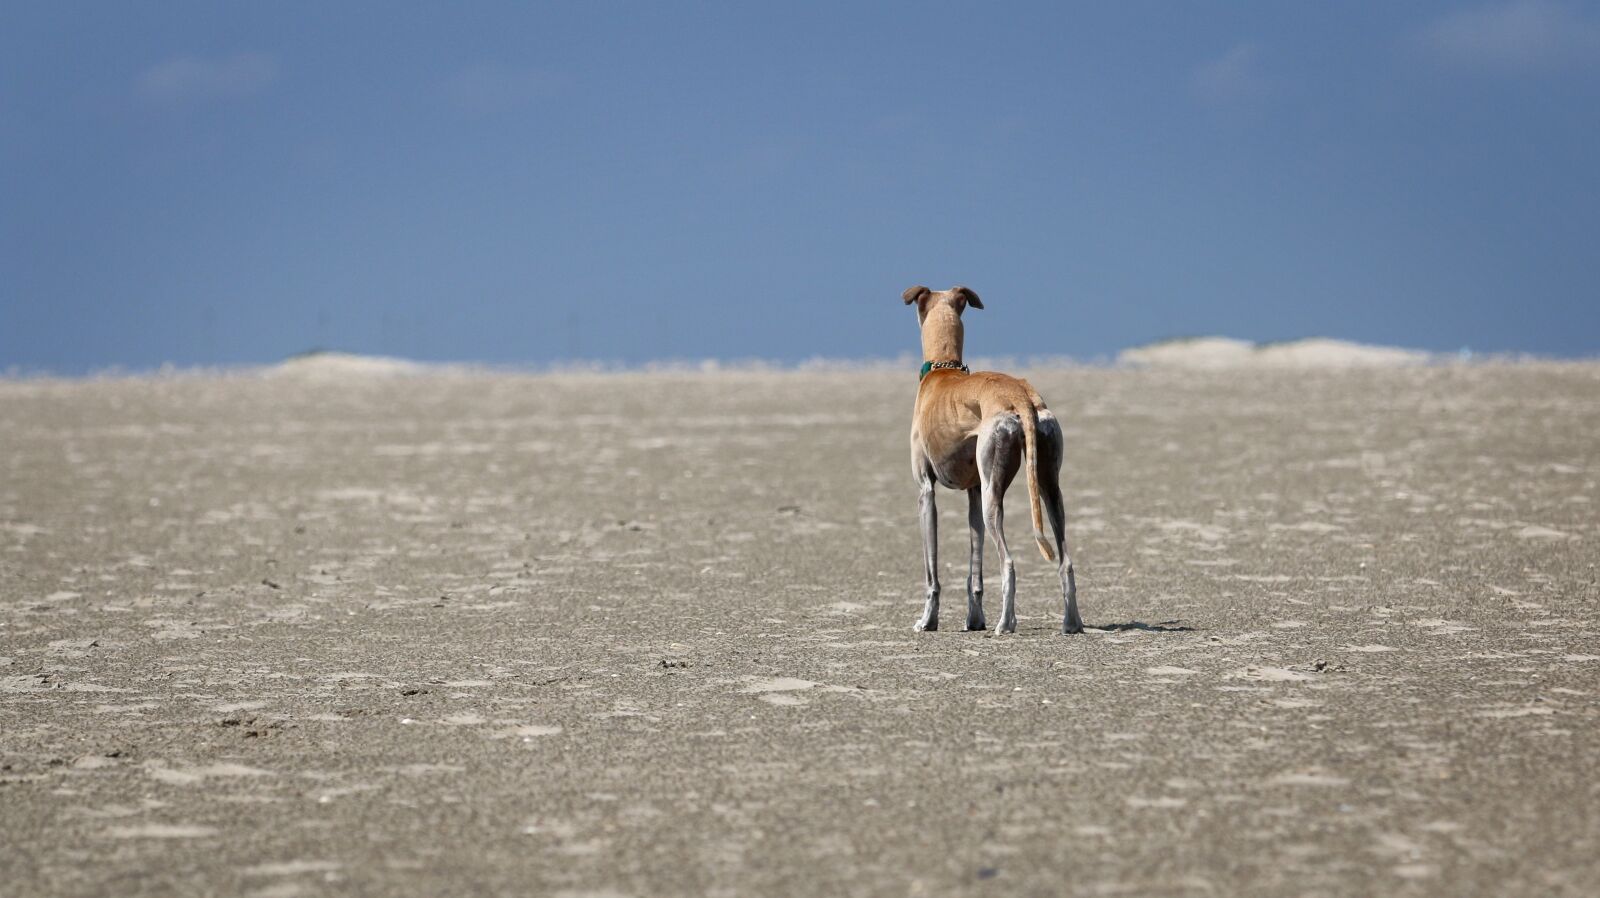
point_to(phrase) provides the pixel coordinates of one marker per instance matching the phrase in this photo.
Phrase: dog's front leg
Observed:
(975, 619)
(928, 515)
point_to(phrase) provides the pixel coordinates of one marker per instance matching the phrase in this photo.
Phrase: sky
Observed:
(523, 184)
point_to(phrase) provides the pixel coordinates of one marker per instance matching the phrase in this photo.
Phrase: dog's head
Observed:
(939, 316)
(956, 299)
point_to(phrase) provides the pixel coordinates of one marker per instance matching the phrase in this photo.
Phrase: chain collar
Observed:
(937, 366)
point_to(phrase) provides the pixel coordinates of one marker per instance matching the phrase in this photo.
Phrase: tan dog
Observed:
(974, 432)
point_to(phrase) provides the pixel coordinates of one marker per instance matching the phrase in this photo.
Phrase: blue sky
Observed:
(230, 183)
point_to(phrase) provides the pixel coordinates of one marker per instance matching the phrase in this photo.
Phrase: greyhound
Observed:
(974, 432)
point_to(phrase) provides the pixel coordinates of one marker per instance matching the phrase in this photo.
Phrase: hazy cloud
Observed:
(492, 87)
(188, 78)
(1522, 34)
(1234, 77)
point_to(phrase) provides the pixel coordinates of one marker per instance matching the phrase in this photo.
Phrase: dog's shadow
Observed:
(1166, 626)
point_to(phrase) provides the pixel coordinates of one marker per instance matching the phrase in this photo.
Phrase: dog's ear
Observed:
(913, 294)
(966, 294)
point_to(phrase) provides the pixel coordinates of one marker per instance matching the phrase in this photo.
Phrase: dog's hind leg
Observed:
(999, 457)
(928, 516)
(1050, 457)
(975, 619)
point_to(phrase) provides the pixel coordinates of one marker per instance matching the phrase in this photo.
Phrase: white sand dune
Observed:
(343, 365)
(1212, 353)
(1325, 353)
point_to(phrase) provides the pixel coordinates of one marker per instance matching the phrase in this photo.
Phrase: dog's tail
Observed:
(1030, 461)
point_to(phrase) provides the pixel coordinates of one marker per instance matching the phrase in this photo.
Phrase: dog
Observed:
(975, 432)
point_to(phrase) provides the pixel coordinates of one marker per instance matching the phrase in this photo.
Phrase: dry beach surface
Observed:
(463, 633)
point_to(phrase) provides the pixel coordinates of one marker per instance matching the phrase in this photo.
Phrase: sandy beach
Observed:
(411, 632)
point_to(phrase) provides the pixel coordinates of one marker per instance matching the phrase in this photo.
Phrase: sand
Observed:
(651, 634)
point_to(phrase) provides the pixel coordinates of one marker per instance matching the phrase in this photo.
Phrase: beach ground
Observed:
(637, 634)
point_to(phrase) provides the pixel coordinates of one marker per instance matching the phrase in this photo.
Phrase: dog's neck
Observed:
(942, 335)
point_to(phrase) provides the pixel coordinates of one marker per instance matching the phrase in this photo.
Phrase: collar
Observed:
(936, 366)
